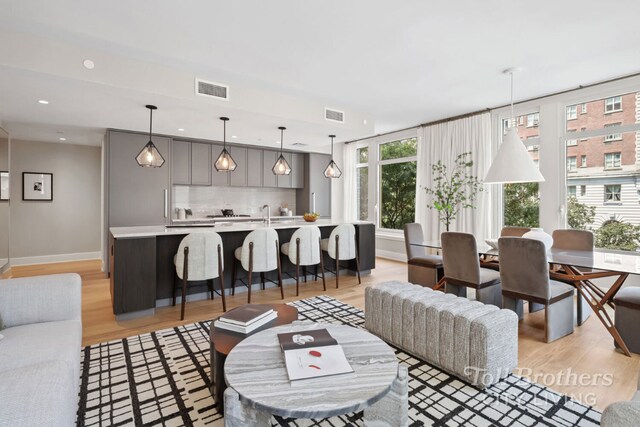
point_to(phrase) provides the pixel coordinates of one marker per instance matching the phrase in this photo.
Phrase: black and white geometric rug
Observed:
(162, 379)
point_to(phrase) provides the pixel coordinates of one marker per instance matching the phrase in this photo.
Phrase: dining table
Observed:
(579, 268)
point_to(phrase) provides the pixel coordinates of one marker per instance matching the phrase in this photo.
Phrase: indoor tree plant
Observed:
(453, 191)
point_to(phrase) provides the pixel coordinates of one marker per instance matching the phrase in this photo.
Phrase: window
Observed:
(613, 136)
(571, 191)
(572, 112)
(571, 164)
(520, 120)
(362, 182)
(572, 142)
(397, 183)
(583, 190)
(613, 104)
(612, 161)
(583, 108)
(612, 194)
(533, 120)
(583, 161)
(582, 130)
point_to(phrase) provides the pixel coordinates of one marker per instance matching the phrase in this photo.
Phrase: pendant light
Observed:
(332, 170)
(149, 156)
(282, 166)
(512, 164)
(225, 162)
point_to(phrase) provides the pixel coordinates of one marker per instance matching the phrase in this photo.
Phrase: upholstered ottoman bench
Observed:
(476, 342)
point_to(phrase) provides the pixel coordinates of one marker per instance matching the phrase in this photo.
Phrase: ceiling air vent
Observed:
(334, 115)
(214, 90)
(298, 144)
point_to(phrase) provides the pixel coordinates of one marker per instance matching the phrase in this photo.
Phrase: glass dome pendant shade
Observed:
(332, 170)
(281, 167)
(149, 156)
(224, 162)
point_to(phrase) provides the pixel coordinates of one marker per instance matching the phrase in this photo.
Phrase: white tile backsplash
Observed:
(205, 201)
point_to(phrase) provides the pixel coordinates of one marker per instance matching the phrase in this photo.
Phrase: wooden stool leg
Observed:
(250, 272)
(262, 279)
(185, 278)
(337, 260)
(279, 271)
(221, 275)
(234, 275)
(358, 266)
(324, 283)
(297, 267)
(210, 286)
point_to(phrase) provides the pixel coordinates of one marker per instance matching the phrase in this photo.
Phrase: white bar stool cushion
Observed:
(347, 242)
(265, 250)
(309, 236)
(203, 255)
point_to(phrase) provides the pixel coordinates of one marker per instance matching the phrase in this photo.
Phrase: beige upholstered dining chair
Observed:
(576, 240)
(524, 273)
(423, 269)
(513, 231)
(199, 258)
(462, 269)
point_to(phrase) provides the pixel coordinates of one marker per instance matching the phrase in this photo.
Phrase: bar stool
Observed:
(341, 245)
(196, 260)
(258, 254)
(305, 249)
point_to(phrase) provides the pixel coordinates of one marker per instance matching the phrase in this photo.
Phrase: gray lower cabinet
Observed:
(181, 162)
(238, 178)
(268, 160)
(254, 167)
(317, 188)
(201, 164)
(136, 195)
(218, 179)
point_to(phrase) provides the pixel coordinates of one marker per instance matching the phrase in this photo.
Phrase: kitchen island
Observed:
(142, 272)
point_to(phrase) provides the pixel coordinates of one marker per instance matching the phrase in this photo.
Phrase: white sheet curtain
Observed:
(445, 141)
(350, 199)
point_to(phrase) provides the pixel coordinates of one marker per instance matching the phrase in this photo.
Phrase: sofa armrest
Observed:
(40, 299)
(621, 414)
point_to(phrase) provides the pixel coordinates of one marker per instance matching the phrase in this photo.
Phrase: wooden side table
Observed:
(223, 341)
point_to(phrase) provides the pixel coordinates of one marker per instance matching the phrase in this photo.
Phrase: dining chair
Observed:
(524, 273)
(304, 249)
(462, 269)
(576, 240)
(423, 268)
(258, 254)
(513, 231)
(199, 258)
(341, 246)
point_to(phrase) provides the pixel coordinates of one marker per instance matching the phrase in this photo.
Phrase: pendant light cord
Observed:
(281, 140)
(513, 117)
(150, 122)
(224, 134)
(331, 148)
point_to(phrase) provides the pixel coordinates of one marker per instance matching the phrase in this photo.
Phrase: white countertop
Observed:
(161, 230)
(233, 219)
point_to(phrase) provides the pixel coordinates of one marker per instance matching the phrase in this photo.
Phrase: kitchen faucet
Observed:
(268, 219)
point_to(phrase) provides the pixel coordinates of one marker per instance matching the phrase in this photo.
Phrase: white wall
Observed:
(68, 228)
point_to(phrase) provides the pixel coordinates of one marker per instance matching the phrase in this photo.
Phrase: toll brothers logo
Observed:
(564, 378)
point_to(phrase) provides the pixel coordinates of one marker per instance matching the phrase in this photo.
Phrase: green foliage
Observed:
(521, 205)
(614, 234)
(579, 215)
(397, 185)
(455, 191)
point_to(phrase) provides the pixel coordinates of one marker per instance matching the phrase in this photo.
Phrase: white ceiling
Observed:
(392, 64)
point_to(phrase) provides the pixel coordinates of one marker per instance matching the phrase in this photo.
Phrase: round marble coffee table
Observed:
(259, 386)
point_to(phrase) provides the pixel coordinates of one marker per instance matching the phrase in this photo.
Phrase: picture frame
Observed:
(37, 186)
(4, 186)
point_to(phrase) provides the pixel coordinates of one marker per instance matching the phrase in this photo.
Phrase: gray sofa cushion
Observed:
(39, 395)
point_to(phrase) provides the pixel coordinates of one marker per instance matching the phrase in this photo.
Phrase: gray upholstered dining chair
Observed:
(462, 269)
(423, 269)
(524, 273)
(199, 258)
(513, 231)
(576, 240)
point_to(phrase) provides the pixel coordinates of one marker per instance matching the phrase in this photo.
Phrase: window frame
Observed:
(574, 112)
(583, 160)
(360, 165)
(614, 136)
(616, 158)
(613, 194)
(613, 103)
(572, 166)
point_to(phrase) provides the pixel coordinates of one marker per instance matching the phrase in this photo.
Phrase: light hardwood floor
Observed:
(574, 365)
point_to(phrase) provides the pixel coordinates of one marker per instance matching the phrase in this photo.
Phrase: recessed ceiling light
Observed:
(43, 101)
(233, 136)
(180, 130)
(63, 139)
(88, 64)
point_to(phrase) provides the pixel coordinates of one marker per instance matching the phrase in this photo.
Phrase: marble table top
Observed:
(255, 368)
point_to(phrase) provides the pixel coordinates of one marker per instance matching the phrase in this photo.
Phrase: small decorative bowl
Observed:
(310, 217)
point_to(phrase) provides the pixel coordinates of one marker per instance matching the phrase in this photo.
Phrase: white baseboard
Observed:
(49, 259)
(396, 256)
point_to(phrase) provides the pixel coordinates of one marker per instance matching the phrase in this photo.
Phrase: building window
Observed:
(571, 191)
(572, 112)
(362, 182)
(571, 164)
(583, 190)
(533, 120)
(613, 104)
(583, 161)
(397, 183)
(612, 161)
(612, 194)
(583, 108)
(582, 130)
(520, 120)
(613, 136)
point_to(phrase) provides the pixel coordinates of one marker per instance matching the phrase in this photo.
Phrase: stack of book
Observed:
(246, 319)
(313, 354)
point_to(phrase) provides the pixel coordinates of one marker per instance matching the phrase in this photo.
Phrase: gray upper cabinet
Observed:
(137, 195)
(316, 186)
(201, 164)
(238, 178)
(254, 167)
(297, 170)
(219, 179)
(268, 160)
(284, 181)
(181, 162)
